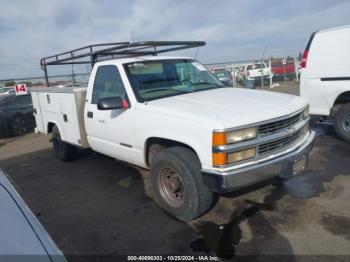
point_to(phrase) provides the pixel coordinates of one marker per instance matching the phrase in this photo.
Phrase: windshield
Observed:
(163, 78)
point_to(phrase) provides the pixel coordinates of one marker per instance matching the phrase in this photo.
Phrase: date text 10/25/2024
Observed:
(172, 258)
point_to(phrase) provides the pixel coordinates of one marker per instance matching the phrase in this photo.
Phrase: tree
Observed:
(10, 83)
(28, 83)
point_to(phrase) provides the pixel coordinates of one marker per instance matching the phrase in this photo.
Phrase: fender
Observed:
(340, 93)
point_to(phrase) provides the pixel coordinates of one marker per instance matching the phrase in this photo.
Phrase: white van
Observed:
(325, 76)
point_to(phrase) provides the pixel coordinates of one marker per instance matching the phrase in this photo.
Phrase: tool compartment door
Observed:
(37, 113)
(69, 119)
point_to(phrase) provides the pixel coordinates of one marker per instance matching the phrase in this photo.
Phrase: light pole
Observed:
(262, 68)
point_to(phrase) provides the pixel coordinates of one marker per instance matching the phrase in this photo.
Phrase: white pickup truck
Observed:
(172, 116)
(256, 70)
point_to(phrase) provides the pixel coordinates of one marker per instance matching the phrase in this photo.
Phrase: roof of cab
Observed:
(139, 59)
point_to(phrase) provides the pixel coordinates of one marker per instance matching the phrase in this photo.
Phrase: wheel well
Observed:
(341, 99)
(162, 143)
(49, 127)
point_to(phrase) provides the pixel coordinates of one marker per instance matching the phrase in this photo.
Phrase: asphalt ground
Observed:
(96, 205)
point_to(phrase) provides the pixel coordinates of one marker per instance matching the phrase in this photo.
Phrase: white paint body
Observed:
(188, 118)
(329, 57)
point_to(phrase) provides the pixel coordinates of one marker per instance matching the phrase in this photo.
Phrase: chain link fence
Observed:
(16, 111)
(267, 73)
(16, 116)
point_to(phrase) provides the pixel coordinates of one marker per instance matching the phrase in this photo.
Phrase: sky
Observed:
(233, 30)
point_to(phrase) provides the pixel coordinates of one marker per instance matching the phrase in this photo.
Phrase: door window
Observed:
(108, 83)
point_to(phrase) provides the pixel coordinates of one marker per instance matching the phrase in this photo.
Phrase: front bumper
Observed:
(238, 178)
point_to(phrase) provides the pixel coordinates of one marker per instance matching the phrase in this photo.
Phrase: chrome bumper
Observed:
(238, 178)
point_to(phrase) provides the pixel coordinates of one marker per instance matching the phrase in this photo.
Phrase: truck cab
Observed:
(172, 116)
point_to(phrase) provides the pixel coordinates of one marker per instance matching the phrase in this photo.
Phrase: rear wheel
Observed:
(63, 150)
(18, 126)
(342, 122)
(177, 183)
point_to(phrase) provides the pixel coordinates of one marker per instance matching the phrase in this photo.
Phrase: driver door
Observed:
(109, 132)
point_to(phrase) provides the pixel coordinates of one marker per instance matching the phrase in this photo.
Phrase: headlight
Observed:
(224, 138)
(241, 135)
(220, 159)
(306, 113)
(241, 155)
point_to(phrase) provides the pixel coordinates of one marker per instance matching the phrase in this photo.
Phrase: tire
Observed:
(63, 150)
(18, 126)
(342, 122)
(153, 151)
(194, 197)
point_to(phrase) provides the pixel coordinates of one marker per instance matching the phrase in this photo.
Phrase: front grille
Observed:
(279, 144)
(270, 128)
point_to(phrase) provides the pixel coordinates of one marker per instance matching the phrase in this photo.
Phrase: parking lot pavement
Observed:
(97, 205)
(289, 87)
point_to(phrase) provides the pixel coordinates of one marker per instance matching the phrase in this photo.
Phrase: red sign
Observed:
(21, 89)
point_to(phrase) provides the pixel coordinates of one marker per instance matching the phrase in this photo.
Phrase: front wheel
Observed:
(63, 150)
(342, 122)
(177, 183)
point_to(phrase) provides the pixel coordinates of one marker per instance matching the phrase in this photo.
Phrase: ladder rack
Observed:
(92, 53)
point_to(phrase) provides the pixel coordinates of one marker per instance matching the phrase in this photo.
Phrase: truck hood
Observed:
(228, 107)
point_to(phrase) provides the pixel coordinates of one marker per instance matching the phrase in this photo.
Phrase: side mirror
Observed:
(111, 103)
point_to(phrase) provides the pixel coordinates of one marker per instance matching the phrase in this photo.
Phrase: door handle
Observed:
(90, 114)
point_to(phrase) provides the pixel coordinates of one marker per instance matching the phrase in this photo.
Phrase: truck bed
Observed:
(63, 107)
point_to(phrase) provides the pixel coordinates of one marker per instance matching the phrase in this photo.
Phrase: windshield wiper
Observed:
(159, 89)
(207, 83)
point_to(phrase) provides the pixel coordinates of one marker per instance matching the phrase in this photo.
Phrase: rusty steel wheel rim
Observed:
(171, 187)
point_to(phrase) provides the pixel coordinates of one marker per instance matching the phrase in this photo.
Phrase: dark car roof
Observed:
(7, 98)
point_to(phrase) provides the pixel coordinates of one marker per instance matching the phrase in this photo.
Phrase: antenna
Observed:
(196, 53)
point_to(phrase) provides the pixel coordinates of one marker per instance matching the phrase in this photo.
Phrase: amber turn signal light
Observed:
(219, 159)
(219, 139)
